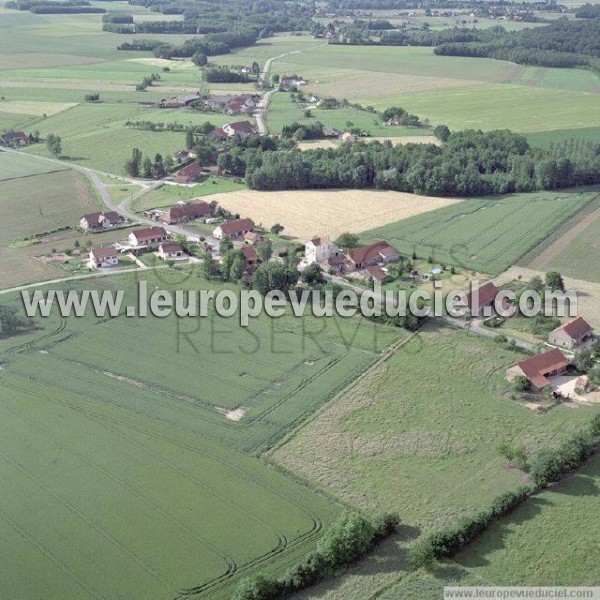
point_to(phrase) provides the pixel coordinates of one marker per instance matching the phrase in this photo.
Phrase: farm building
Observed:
(479, 301)
(189, 173)
(147, 236)
(348, 137)
(538, 368)
(99, 220)
(14, 138)
(320, 250)
(572, 334)
(376, 273)
(218, 134)
(179, 101)
(365, 256)
(168, 250)
(286, 81)
(186, 212)
(234, 229)
(252, 238)
(241, 129)
(251, 258)
(103, 257)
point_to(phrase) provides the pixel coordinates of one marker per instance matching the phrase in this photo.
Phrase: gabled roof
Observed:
(191, 210)
(366, 253)
(250, 253)
(377, 273)
(14, 135)
(93, 218)
(101, 253)
(149, 233)
(320, 240)
(171, 248)
(537, 367)
(217, 132)
(242, 127)
(235, 227)
(576, 328)
(486, 294)
(192, 170)
(112, 216)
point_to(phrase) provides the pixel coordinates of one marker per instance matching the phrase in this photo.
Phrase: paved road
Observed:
(261, 110)
(123, 207)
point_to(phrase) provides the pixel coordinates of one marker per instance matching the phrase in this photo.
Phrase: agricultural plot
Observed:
(167, 195)
(44, 203)
(550, 540)
(276, 370)
(573, 249)
(165, 511)
(305, 214)
(543, 139)
(409, 437)
(283, 111)
(15, 166)
(486, 234)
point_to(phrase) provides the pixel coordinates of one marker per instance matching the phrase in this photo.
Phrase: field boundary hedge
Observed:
(548, 466)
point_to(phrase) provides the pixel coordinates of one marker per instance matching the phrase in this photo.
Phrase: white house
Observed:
(147, 237)
(320, 250)
(103, 257)
(170, 250)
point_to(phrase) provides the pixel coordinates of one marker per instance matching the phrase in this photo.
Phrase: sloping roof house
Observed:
(189, 173)
(538, 368)
(103, 257)
(364, 256)
(147, 236)
(571, 334)
(15, 138)
(240, 128)
(234, 229)
(188, 211)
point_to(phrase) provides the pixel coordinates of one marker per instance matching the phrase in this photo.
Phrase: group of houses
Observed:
(233, 104)
(365, 262)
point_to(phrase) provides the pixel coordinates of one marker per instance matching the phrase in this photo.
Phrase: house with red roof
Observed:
(240, 129)
(103, 257)
(320, 250)
(148, 236)
(366, 256)
(189, 174)
(14, 138)
(537, 369)
(251, 258)
(186, 212)
(234, 229)
(99, 220)
(571, 334)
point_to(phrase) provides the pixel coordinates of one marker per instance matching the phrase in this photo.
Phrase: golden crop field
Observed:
(330, 212)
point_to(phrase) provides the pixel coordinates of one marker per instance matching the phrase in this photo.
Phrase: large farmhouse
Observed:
(14, 138)
(538, 368)
(240, 129)
(189, 173)
(572, 334)
(365, 256)
(480, 301)
(320, 250)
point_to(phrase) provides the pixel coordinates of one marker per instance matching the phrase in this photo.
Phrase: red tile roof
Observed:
(100, 253)
(377, 273)
(243, 127)
(236, 227)
(537, 367)
(150, 233)
(192, 170)
(191, 210)
(486, 294)
(576, 328)
(365, 253)
(250, 253)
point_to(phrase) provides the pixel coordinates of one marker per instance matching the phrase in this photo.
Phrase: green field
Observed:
(543, 139)
(41, 203)
(126, 451)
(488, 234)
(550, 540)
(419, 435)
(283, 111)
(14, 166)
(167, 195)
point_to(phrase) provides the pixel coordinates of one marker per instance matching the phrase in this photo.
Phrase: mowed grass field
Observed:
(418, 434)
(487, 234)
(45, 202)
(14, 166)
(573, 249)
(550, 540)
(458, 91)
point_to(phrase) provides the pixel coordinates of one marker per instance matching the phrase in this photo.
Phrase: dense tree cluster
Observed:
(471, 163)
(588, 11)
(143, 166)
(561, 44)
(11, 323)
(224, 74)
(303, 131)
